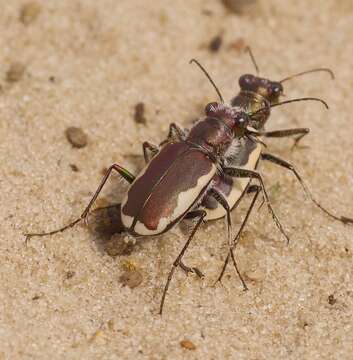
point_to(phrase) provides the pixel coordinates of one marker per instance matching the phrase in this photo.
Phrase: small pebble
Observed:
(131, 278)
(70, 274)
(237, 45)
(116, 246)
(331, 299)
(74, 168)
(15, 72)
(187, 344)
(76, 137)
(215, 44)
(238, 6)
(139, 116)
(111, 325)
(29, 12)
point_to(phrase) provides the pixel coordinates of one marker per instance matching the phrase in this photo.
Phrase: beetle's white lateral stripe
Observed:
(126, 219)
(184, 202)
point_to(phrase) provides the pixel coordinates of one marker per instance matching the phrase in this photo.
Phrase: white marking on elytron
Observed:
(126, 219)
(184, 202)
(238, 187)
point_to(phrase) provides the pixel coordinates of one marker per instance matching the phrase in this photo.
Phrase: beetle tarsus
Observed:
(346, 220)
(193, 270)
(245, 288)
(30, 235)
(177, 261)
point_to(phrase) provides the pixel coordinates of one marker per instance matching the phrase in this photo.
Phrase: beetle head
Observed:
(270, 90)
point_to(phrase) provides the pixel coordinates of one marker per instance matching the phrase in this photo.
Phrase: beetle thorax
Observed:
(212, 134)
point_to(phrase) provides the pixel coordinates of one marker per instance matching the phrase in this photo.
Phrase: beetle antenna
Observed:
(290, 101)
(252, 57)
(208, 77)
(308, 72)
(301, 99)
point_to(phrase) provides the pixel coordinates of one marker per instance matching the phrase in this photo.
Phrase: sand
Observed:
(87, 64)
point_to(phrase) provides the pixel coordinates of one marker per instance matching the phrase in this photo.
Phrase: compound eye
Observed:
(245, 81)
(242, 121)
(211, 108)
(277, 89)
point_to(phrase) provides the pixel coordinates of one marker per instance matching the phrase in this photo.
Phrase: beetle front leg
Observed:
(201, 214)
(122, 171)
(300, 132)
(278, 161)
(149, 151)
(244, 173)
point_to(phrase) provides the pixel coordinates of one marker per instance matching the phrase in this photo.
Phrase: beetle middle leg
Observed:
(278, 161)
(125, 174)
(245, 173)
(256, 189)
(201, 214)
(300, 132)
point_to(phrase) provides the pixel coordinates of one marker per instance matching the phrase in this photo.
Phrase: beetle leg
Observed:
(222, 200)
(176, 263)
(300, 132)
(257, 190)
(244, 173)
(149, 151)
(175, 131)
(189, 269)
(123, 172)
(278, 161)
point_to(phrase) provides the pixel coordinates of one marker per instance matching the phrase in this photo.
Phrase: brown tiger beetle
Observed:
(159, 197)
(173, 184)
(256, 97)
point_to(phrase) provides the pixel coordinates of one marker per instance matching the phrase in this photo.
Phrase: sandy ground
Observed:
(86, 64)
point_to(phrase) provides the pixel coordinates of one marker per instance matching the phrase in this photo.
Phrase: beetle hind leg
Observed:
(252, 189)
(122, 171)
(197, 213)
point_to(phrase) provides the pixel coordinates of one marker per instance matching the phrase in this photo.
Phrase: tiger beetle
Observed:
(159, 197)
(174, 182)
